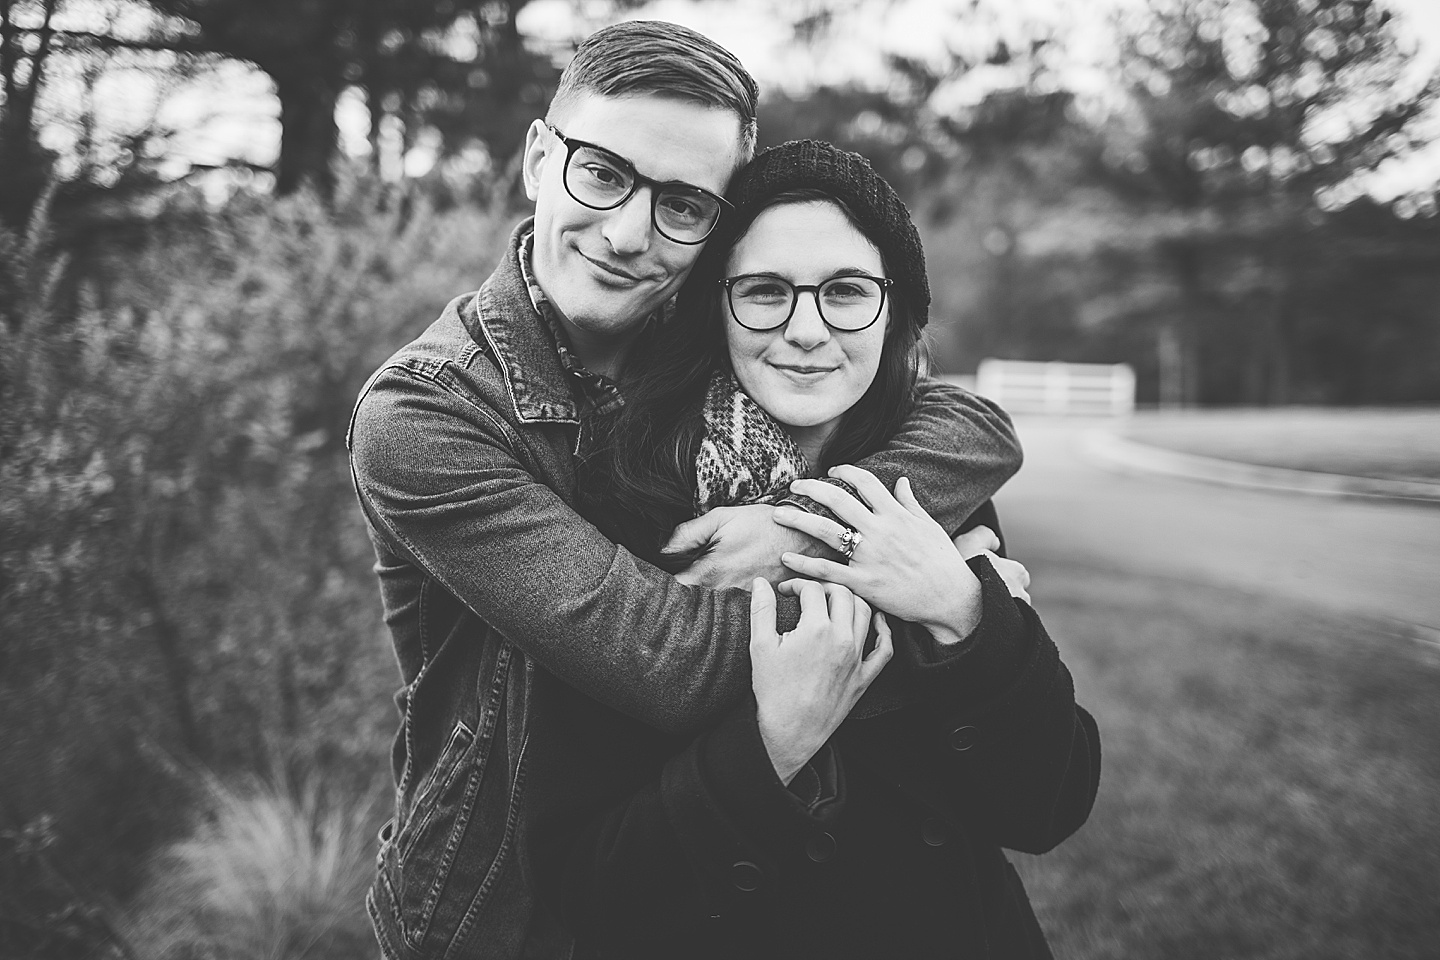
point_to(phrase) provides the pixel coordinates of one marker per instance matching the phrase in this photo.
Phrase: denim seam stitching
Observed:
(511, 821)
(506, 375)
(377, 924)
(446, 769)
(462, 820)
(490, 712)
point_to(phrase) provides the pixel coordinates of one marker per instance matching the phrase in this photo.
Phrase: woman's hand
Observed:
(806, 681)
(904, 564)
(978, 541)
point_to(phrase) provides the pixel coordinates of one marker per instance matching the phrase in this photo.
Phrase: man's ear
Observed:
(537, 147)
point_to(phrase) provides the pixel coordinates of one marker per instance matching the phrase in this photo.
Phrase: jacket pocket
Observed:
(451, 839)
(437, 784)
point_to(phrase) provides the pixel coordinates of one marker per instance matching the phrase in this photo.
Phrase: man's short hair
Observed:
(652, 57)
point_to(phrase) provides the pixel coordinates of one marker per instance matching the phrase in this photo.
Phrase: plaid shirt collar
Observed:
(596, 392)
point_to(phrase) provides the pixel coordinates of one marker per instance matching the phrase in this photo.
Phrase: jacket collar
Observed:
(503, 315)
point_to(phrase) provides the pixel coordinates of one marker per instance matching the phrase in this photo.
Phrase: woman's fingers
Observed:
(884, 649)
(841, 503)
(975, 541)
(818, 568)
(762, 612)
(814, 610)
(842, 609)
(871, 490)
(860, 624)
(905, 495)
(823, 529)
(1013, 572)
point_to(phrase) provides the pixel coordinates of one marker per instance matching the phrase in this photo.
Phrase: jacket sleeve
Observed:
(449, 485)
(993, 739)
(626, 838)
(453, 489)
(956, 447)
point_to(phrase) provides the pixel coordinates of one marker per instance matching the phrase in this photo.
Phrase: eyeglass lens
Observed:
(602, 180)
(845, 303)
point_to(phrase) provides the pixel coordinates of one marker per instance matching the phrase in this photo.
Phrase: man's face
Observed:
(607, 270)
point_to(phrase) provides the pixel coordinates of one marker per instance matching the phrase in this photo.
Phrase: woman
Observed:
(857, 806)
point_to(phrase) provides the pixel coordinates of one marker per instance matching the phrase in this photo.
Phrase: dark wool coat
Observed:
(889, 845)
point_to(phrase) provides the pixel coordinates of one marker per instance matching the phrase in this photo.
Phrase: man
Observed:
(462, 452)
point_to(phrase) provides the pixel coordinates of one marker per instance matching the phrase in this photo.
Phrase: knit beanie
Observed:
(881, 214)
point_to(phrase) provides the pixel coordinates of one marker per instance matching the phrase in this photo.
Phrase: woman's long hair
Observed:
(637, 474)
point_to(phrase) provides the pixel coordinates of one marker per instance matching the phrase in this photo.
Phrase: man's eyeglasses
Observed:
(759, 301)
(602, 180)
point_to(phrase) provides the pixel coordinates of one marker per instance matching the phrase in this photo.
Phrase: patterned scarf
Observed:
(746, 456)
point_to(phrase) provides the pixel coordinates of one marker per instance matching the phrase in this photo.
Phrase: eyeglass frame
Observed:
(638, 180)
(814, 290)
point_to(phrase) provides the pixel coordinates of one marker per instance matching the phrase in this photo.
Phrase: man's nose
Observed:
(627, 227)
(806, 329)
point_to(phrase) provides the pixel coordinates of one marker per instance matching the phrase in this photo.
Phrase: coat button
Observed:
(746, 876)
(820, 847)
(934, 832)
(962, 738)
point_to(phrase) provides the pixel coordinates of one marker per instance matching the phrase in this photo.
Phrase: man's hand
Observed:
(742, 543)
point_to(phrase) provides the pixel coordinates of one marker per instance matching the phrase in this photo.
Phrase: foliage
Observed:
(1208, 233)
(183, 572)
(276, 870)
(459, 69)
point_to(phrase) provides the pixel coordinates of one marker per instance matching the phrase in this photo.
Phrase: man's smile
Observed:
(618, 273)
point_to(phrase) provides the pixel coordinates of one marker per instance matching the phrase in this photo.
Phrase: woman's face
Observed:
(805, 374)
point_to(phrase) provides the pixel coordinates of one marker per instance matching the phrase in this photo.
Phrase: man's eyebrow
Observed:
(631, 164)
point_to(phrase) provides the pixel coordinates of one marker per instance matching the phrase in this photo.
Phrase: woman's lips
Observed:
(803, 372)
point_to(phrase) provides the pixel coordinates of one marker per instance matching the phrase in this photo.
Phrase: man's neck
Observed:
(604, 355)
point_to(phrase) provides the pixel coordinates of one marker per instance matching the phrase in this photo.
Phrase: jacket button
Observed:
(820, 847)
(934, 832)
(746, 876)
(962, 738)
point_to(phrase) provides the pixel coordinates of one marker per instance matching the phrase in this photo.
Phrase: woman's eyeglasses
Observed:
(602, 180)
(849, 303)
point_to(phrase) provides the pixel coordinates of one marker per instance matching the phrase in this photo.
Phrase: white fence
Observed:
(1076, 389)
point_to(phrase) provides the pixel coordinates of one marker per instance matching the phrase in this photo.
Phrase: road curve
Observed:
(1378, 559)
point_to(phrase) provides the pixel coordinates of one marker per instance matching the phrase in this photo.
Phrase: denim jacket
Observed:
(462, 448)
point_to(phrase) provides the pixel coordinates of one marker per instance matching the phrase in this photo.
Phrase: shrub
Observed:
(276, 871)
(183, 570)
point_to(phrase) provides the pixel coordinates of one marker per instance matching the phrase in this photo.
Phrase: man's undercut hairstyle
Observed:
(655, 58)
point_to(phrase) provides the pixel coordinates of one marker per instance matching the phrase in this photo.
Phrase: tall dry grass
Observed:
(276, 869)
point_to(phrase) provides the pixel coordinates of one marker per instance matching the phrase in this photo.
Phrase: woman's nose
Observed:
(806, 328)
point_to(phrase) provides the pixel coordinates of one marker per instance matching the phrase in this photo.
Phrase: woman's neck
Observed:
(812, 440)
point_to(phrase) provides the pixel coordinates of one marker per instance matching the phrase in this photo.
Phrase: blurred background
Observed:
(1213, 221)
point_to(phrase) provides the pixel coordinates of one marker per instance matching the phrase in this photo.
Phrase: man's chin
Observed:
(611, 323)
(618, 315)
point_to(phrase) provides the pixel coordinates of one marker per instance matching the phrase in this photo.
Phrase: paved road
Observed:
(1374, 558)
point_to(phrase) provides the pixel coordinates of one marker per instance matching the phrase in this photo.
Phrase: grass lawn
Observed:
(1398, 443)
(1270, 783)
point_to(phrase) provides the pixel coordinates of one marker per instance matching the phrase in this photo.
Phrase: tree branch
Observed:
(86, 39)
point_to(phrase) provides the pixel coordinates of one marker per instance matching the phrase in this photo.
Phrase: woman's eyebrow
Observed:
(788, 275)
